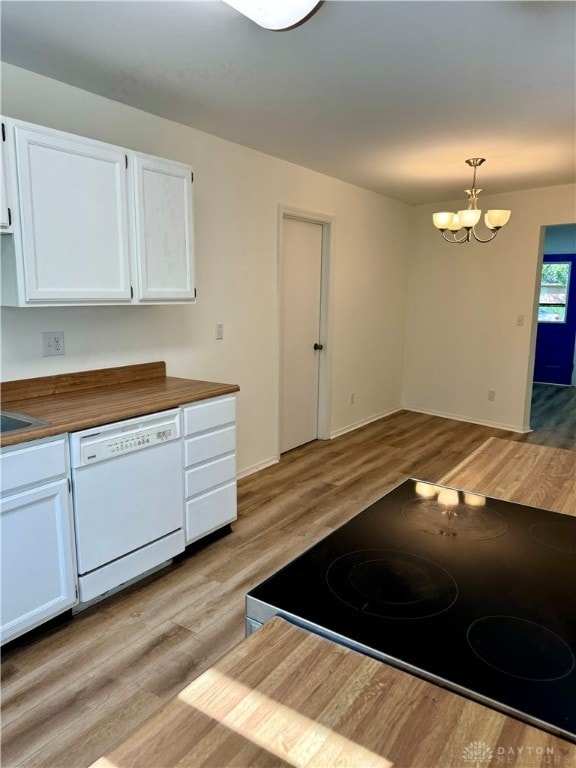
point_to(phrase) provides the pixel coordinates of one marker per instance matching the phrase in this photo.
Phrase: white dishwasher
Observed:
(127, 484)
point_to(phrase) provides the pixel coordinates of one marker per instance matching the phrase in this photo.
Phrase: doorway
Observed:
(556, 333)
(304, 351)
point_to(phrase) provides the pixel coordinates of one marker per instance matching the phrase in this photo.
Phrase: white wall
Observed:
(461, 334)
(237, 192)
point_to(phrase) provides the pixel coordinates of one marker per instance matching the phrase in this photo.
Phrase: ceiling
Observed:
(390, 95)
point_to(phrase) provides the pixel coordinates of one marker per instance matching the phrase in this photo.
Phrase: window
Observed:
(554, 292)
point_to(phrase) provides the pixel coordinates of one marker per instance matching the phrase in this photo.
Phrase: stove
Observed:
(472, 593)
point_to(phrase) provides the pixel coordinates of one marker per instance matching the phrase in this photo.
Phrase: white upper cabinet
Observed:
(163, 229)
(94, 223)
(73, 217)
(5, 203)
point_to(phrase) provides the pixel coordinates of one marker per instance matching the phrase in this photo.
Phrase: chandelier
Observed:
(450, 224)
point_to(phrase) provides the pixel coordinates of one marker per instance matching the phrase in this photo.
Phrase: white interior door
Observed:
(301, 283)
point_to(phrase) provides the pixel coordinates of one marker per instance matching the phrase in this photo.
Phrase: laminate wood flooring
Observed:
(78, 689)
(552, 416)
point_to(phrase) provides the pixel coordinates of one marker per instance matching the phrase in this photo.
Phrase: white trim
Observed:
(364, 422)
(327, 222)
(470, 420)
(257, 467)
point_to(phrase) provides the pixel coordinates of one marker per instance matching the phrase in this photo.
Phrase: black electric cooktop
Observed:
(472, 593)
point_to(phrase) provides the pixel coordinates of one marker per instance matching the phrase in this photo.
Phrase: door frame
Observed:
(534, 329)
(570, 309)
(326, 221)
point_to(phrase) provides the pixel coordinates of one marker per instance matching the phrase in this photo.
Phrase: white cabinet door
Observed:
(38, 559)
(5, 213)
(74, 217)
(164, 248)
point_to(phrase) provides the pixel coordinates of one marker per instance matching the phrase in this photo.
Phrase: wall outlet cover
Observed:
(52, 343)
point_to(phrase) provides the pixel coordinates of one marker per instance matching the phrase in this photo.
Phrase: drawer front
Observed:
(209, 414)
(210, 511)
(210, 446)
(209, 475)
(34, 463)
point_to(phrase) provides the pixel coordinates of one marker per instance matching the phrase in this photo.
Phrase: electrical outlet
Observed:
(52, 343)
(219, 331)
(520, 320)
(491, 394)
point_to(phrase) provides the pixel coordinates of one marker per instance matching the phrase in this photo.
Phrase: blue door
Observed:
(556, 320)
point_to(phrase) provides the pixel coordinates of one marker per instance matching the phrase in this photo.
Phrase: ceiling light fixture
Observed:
(275, 14)
(466, 220)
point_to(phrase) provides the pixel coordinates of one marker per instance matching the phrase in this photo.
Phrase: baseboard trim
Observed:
(482, 422)
(363, 422)
(257, 467)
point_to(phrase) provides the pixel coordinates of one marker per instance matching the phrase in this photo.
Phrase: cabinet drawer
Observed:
(207, 476)
(209, 414)
(210, 511)
(34, 463)
(210, 446)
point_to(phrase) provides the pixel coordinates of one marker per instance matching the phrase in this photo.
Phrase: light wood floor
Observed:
(553, 416)
(79, 689)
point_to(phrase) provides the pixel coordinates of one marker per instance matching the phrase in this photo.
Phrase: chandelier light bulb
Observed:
(450, 224)
(443, 219)
(455, 224)
(469, 218)
(497, 218)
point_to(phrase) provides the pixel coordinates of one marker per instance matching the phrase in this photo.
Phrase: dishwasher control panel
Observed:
(114, 440)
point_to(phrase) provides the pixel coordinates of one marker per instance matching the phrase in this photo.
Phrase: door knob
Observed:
(318, 346)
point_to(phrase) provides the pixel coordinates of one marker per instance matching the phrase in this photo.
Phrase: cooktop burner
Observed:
(485, 606)
(395, 585)
(558, 536)
(520, 648)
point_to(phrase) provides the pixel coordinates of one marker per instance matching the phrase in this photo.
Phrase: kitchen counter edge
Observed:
(114, 397)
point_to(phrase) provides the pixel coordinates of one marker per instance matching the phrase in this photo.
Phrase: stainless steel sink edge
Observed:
(12, 422)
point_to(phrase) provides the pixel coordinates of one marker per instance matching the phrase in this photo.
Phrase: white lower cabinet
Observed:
(36, 524)
(209, 465)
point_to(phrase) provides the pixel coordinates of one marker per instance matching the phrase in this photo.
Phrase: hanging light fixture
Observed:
(451, 223)
(275, 14)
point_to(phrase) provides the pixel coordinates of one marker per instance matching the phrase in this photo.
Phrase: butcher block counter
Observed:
(285, 696)
(74, 401)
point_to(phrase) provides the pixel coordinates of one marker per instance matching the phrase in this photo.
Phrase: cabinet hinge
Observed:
(3, 132)
(131, 292)
(69, 485)
(9, 217)
(192, 175)
(195, 294)
(126, 159)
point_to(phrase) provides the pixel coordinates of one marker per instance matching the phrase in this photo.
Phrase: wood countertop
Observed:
(73, 401)
(285, 696)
